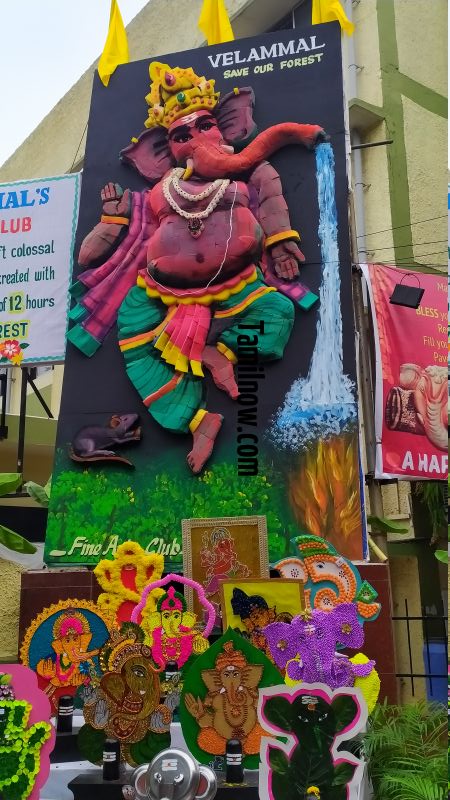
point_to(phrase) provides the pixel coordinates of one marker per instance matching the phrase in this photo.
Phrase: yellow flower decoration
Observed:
(370, 686)
(124, 578)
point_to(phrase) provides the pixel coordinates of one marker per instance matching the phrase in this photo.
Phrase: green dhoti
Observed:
(174, 397)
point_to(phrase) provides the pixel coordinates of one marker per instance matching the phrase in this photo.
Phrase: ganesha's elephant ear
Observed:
(346, 712)
(234, 115)
(347, 628)
(149, 154)
(279, 712)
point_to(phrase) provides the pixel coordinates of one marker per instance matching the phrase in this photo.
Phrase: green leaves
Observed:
(90, 743)
(13, 541)
(278, 711)
(143, 752)
(40, 494)
(9, 481)
(384, 525)
(278, 761)
(150, 504)
(441, 555)
(406, 747)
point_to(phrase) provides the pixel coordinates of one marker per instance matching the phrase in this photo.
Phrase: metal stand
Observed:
(3, 389)
(26, 380)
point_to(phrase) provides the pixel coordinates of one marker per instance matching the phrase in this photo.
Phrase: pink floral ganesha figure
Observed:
(170, 631)
(193, 242)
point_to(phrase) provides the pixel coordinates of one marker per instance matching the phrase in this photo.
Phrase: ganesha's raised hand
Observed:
(286, 257)
(195, 707)
(46, 668)
(100, 242)
(115, 200)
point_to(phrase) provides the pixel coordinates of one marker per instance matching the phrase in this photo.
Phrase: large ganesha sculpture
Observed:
(187, 265)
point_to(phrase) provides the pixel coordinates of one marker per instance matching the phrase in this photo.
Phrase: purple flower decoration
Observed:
(314, 639)
(282, 643)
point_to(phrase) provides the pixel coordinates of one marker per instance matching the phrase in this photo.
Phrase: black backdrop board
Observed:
(93, 509)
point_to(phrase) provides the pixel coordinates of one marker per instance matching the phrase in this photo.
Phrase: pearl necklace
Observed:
(193, 198)
(195, 224)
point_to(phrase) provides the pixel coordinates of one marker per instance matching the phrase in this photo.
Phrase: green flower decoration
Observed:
(20, 749)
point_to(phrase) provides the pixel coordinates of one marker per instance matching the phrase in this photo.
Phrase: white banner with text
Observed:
(38, 221)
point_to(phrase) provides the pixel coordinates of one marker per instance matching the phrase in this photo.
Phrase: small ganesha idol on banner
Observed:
(184, 257)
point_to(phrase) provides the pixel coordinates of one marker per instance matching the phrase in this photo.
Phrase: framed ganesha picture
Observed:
(220, 549)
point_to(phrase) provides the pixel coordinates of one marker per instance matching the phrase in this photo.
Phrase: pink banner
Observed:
(411, 376)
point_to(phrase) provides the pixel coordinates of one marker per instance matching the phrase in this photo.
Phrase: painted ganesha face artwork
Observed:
(222, 549)
(329, 579)
(62, 645)
(219, 558)
(184, 257)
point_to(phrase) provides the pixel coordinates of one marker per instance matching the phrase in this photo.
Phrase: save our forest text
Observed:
(278, 56)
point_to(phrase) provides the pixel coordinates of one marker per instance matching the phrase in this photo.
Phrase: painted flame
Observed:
(324, 495)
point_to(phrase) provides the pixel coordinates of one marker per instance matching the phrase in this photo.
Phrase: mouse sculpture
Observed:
(95, 442)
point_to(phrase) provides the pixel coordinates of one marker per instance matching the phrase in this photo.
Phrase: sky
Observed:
(45, 46)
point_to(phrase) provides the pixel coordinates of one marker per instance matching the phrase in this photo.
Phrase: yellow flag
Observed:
(328, 11)
(215, 23)
(115, 51)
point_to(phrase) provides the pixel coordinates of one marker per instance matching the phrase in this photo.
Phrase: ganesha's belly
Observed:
(226, 245)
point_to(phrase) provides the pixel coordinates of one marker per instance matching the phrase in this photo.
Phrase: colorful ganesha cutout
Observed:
(185, 253)
(171, 631)
(307, 649)
(329, 579)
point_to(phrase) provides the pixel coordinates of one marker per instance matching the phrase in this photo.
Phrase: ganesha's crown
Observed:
(176, 92)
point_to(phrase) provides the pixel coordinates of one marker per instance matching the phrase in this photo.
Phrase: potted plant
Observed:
(406, 750)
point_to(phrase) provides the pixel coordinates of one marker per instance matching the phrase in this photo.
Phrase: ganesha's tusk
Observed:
(188, 172)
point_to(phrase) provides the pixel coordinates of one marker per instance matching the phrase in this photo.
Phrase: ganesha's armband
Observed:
(116, 220)
(283, 236)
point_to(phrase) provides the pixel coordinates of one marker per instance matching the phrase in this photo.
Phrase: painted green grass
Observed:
(147, 506)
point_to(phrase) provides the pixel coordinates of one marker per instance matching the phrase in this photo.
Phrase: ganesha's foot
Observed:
(212, 742)
(221, 369)
(204, 432)
(252, 743)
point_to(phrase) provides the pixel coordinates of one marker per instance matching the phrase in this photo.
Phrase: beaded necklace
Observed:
(195, 224)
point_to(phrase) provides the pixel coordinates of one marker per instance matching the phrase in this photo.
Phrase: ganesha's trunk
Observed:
(435, 428)
(211, 162)
(235, 696)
